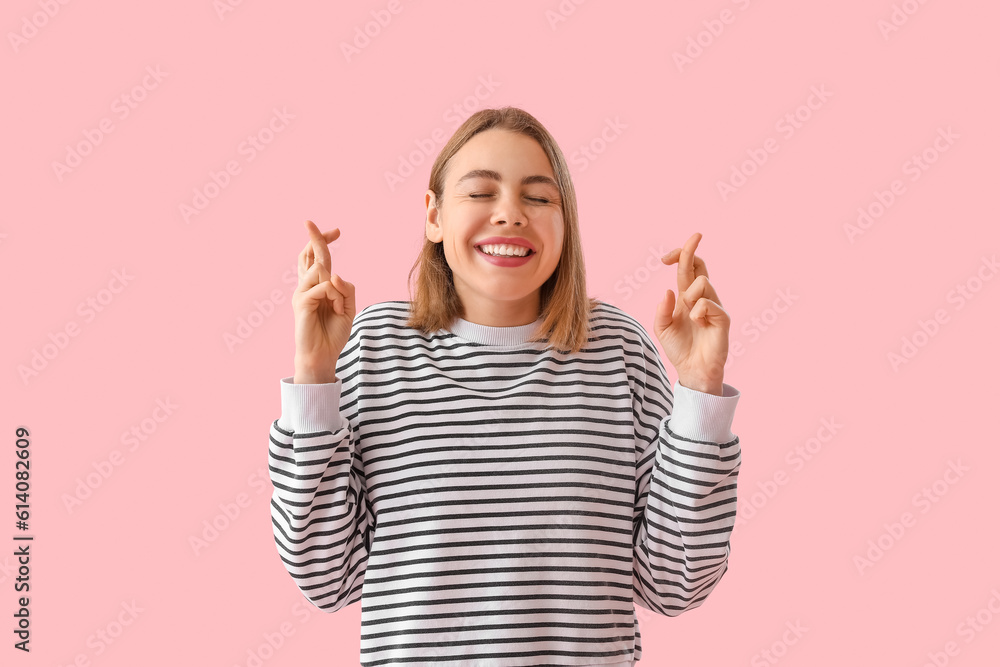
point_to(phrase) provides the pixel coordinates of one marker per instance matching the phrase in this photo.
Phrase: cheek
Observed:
(558, 237)
(460, 251)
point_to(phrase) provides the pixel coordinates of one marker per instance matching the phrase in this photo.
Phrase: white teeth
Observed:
(504, 250)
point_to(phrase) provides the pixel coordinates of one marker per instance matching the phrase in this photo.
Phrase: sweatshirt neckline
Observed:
(487, 335)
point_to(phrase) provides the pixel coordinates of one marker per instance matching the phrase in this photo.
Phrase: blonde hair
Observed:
(565, 306)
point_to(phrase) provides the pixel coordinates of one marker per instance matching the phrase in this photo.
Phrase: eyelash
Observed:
(538, 199)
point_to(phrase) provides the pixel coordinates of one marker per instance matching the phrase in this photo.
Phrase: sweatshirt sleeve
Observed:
(687, 462)
(319, 509)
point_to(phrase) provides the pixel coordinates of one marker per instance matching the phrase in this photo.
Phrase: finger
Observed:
(329, 237)
(324, 292)
(709, 313)
(319, 250)
(305, 260)
(309, 278)
(347, 290)
(700, 268)
(306, 257)
(664, 313)
(685, 265)
(698, 289)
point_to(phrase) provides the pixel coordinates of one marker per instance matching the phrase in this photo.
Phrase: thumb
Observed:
(664, 313)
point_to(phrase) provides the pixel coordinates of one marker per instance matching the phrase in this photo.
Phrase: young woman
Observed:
(498, 469)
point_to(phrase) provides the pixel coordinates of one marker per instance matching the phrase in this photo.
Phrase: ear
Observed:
(431, 226)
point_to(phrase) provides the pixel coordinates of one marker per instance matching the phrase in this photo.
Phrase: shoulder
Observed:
(383, 313)
(608, 321)
(643, 363)
(380, 318)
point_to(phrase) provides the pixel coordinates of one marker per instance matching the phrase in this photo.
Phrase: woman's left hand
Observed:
(694, 333)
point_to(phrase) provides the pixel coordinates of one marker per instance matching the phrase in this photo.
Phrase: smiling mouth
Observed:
(488, 254)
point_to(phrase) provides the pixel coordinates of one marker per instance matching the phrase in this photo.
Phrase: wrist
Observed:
(313, 378)
(714, 388)
(306, 373)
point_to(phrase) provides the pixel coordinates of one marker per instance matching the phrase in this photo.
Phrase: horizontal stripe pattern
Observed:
(499, 505)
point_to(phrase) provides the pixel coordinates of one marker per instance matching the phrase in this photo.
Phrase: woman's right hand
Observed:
(324, 308)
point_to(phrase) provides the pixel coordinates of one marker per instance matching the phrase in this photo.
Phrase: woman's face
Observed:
(499, 184)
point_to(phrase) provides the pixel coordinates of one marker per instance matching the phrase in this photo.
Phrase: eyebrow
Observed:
(495, 176)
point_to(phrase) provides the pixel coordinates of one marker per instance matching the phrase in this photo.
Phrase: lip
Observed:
(509, 240)
(505, 261)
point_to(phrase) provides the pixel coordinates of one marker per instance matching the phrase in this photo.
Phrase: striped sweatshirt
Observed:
(497, 502)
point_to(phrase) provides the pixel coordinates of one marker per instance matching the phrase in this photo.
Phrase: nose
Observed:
(509, 209)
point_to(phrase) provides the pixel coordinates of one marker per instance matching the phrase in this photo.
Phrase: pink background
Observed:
(650, 183)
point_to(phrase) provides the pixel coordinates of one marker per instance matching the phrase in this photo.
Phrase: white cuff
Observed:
(704, 417)
(310, 408)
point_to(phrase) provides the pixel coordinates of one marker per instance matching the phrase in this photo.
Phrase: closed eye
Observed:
(538, 199)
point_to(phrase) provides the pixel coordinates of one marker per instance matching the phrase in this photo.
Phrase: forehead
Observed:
(503, 151)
